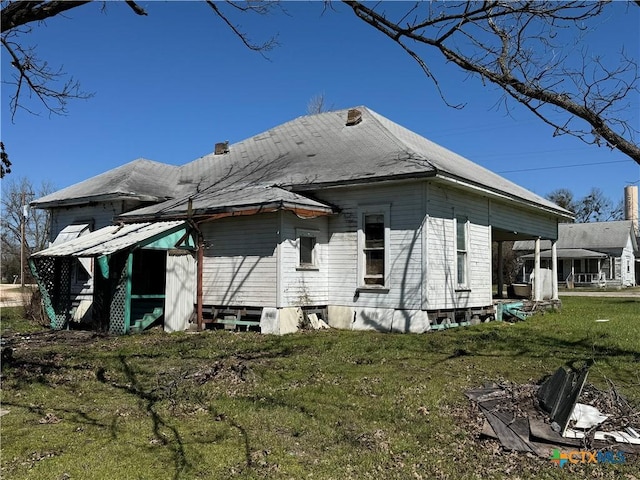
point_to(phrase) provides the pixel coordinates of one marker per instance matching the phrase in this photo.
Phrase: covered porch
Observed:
(143, 273)
(542, 282)
(576, 266)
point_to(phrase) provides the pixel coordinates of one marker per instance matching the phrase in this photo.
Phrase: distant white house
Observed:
(344, 215)
(601, 253)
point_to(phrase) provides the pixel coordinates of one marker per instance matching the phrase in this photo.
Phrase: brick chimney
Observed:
(354, 117)
(221, 148)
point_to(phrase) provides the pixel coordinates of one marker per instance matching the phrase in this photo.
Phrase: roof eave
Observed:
(465, 183)
(206, 214)
(70, 202)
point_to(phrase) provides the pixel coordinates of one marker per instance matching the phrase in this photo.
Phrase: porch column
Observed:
(500, 270)
(554, 271)
(537, 283)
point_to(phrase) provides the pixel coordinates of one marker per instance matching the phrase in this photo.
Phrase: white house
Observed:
(344, 214)
(589, 254)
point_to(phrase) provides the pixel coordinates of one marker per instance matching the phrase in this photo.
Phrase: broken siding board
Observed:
(510, 431)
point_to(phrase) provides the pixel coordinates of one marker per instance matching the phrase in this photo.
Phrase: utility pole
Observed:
(23, 221)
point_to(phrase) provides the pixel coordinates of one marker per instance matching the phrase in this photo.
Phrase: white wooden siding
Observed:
(440, 287)
(628, 267)
(98, 215)
(300, 287)
(180, 291)
(405, 249)
(511, 217)
(240, 261)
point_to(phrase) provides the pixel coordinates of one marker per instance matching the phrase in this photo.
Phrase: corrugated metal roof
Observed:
(590, 236)
(110, 239)
(70, 232)
(143, 179)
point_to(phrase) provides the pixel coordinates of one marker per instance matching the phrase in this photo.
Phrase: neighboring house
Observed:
(346, 215)
(602, 253)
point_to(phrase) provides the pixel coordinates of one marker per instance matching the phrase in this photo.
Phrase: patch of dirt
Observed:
(23, 341)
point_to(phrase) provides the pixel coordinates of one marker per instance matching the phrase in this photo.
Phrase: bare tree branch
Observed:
(258, 8)
(53, 88)
(16, 14)
(518, 47)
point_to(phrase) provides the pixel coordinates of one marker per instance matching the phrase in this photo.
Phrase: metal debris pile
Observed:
(540, 418)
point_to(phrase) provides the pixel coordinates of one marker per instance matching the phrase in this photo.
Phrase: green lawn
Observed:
(322, 405)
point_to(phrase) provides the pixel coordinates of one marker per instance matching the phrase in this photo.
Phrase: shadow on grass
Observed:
(149, 399)
(510, 344)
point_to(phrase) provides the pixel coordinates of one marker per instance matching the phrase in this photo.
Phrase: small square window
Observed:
(307, 254)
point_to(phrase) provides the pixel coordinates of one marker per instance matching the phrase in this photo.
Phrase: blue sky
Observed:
(170, 85)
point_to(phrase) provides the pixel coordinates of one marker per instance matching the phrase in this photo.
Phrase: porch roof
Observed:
(111, 239)
(239, 199)
(568, 253)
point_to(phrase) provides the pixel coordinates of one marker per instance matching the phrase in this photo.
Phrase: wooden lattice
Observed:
(54, 275)
(118, 303)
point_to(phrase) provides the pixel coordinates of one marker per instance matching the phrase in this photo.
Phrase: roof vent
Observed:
(222, 148)
(354, 117)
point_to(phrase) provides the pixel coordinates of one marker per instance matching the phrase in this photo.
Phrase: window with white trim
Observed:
(462, 249)
(373, 246)
(307, 248)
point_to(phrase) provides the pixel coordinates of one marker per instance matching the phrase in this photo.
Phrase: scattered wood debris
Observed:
(540, 418)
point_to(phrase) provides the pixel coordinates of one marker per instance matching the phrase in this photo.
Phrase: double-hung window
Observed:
(373, 246)
(462, 251)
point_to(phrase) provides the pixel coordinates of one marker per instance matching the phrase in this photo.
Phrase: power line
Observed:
(563, 166)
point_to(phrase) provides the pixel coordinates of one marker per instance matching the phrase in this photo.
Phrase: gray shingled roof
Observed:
(140, 179)
(307, 153)
(318, 150)
(590, 236)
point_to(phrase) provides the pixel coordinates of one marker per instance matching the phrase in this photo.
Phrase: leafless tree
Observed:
(15, 195)
(317, 104)
(563, 197)
(34, 77)
(532, 51)
(596, 207)
(593, 207)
